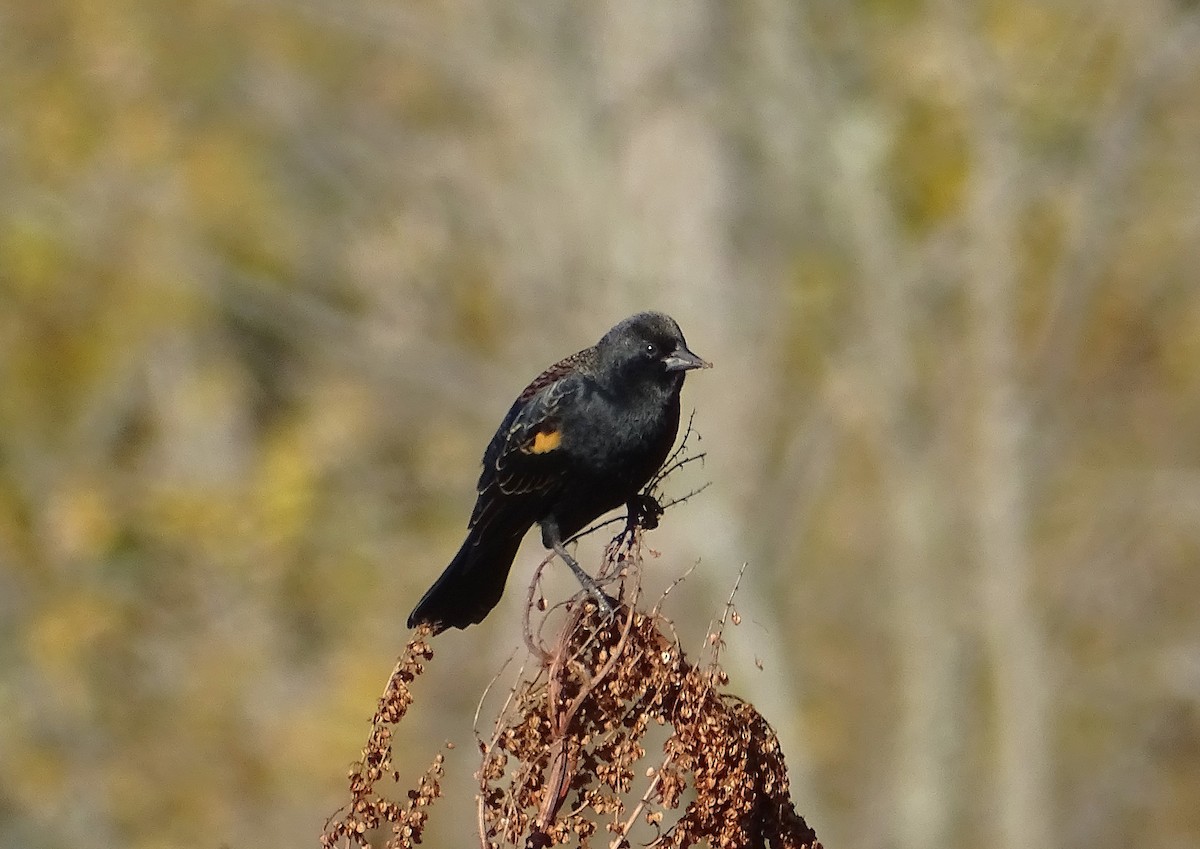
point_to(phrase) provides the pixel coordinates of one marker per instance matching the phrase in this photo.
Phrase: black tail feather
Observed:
(471, 585)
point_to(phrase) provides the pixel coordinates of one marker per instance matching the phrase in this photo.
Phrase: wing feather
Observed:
(524, 460)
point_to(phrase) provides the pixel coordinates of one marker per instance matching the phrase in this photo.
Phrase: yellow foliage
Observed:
(226, 187)
(144, 136)
(62, 640)
(33, 258)
(59, 132)
(80, 523)
(1181, 346)
(285, 492)
(929, 163)
(38, 777)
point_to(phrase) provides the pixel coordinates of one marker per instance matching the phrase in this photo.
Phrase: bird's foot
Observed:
(606, 603)
(646, 511)
(643, 511)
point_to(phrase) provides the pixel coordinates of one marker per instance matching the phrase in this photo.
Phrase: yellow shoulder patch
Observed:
(545, 441)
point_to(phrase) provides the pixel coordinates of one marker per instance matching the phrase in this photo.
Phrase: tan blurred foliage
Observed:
(270, 274)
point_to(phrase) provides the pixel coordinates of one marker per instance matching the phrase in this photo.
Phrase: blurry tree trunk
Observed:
(1013, 633)
(930, 728)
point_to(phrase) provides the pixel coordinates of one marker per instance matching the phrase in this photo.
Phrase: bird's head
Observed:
(648, 349)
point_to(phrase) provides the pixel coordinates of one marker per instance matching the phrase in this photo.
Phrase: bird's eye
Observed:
(651, 349)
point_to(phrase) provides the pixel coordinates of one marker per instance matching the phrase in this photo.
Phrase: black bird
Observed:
(583, 438)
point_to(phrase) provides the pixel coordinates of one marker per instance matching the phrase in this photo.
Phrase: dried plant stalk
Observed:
(574, 734)
(369, 809)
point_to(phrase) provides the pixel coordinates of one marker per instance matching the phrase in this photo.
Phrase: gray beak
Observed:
(681, 359)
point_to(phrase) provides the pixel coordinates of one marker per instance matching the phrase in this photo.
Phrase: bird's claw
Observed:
(647, 511)
(643, 511)
(605, 604)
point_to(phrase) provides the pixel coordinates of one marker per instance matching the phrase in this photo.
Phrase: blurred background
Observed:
(271, 273)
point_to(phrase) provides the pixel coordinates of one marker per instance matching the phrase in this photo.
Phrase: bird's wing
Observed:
(524, 457)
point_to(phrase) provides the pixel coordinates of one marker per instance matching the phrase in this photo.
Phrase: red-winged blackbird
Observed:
(583, 438)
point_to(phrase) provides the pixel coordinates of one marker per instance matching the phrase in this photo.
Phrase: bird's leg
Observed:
(551, 538)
